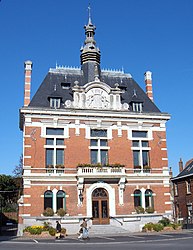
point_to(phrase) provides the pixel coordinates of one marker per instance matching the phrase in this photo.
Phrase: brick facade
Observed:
(95, 146)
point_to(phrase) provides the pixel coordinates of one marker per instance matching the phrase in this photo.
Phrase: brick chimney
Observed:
(148, 84)
(27, 88)
(180, 165)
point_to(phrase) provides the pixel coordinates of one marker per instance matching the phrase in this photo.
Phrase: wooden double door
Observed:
(100, 206)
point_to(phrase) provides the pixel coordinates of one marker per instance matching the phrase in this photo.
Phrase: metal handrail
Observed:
(111, 217)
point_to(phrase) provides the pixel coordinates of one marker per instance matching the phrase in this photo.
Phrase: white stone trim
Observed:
(25, 205)
(111, 192)
(167, 194)
(164, 149)
(168, 211)
(168, 202)
(164, 159)
(27, 157)
(22, 215)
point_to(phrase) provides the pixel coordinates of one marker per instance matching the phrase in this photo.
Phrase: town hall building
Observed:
(94, 145)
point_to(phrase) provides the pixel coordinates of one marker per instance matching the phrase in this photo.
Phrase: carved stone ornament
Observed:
(96, 95)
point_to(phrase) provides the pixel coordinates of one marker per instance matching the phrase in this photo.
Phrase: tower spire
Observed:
(90, 53)
(89, 14)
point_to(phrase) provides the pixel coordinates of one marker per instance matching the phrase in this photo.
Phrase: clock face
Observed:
(97, 98)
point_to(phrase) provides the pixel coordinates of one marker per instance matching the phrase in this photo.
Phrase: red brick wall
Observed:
(120, 149)
(182, 198)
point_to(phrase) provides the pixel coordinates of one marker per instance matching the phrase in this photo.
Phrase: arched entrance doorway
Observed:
(100, 206)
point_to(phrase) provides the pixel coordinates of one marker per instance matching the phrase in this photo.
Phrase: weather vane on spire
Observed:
(89, 13)
(89, 10)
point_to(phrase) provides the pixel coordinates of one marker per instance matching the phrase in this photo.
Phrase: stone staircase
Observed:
(106, 230)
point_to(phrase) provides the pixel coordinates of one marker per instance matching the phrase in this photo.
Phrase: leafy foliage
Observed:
(149, 210)
(10, 192)
(36, 229)
(139, 210)
(48, 212)
(165, 221)
(61, 212)
(18, 170)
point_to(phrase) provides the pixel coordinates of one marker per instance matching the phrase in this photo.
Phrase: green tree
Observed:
(18, 170)
(9, 192)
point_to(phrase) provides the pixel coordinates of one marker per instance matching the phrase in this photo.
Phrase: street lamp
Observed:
(81, 196)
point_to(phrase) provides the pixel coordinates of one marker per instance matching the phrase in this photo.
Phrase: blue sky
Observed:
(137, 35)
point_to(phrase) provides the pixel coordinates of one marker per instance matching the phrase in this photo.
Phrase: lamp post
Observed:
(81, 197)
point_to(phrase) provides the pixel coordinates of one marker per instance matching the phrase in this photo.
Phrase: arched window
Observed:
(48, 199)
(61, 199)
(137, 198)
(149, 198)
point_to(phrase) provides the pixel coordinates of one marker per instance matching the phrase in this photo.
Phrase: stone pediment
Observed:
(96, 95)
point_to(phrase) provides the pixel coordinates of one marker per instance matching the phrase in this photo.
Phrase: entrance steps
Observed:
(106, 230)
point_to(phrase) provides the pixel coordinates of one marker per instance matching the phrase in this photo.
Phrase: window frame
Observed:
(140, 145)
(98, 146)
(55, 135)
(188, 186)
(48, 197)
(137, 198)
(55, 102)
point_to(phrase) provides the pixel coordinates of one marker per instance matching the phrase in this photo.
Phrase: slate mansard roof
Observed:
(62, 81)
(186, 172)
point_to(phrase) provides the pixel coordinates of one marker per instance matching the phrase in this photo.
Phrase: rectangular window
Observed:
(54, 131)
(65, 85)
(49, 157)
(94, 156)
(54, 148)
(140, 134)
(145, 157)
(49, 141)
(104, 157)
(140, 149)
(59, 141)
(98, 133)
(175, 189)
(94, 142)
(99, 146)
(137, 107)
(136, 158)
(55, 103)
(59, 156)
(188, 187)
(135, 143)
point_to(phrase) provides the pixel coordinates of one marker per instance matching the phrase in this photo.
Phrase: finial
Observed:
(89, 13)
(134, 92)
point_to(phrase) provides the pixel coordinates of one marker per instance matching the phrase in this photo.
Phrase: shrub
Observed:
(52, 231)
(158, 227)
(48, 212)
(139, 210)
(175, 225)
(149, 210)
(164, 221)
(47, 226)
(61, 212)
(63, 231)
(34, 229)
(149, 226)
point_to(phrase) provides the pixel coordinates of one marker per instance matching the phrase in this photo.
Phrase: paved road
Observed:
(166, 241)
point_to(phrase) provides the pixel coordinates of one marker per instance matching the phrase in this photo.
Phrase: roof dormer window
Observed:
(65, 85)
(137, 107)
(55, 102)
